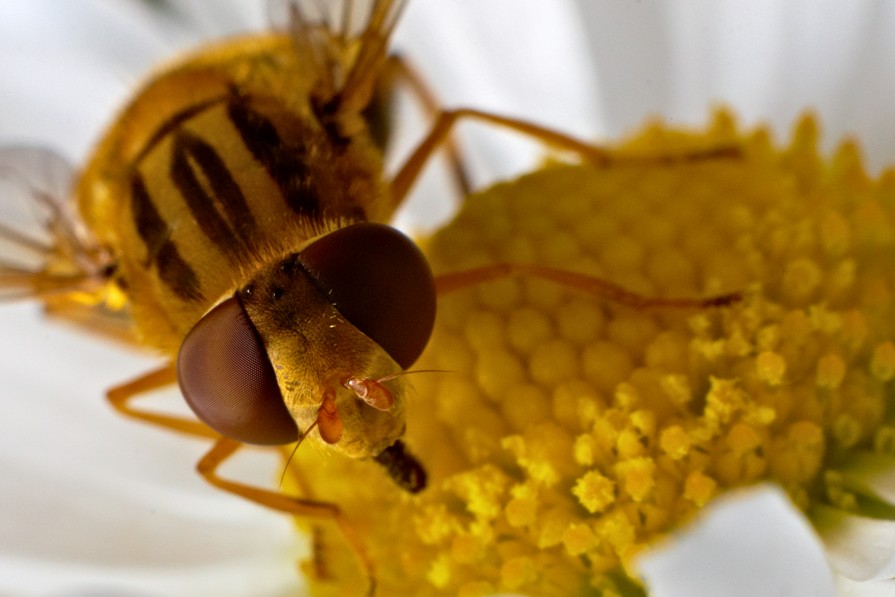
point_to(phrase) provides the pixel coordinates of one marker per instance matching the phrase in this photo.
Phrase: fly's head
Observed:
(315, 353)
(316, 340)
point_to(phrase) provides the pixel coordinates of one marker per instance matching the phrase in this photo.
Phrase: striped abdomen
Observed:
(211, 186)
(220, 189)
(218, 166)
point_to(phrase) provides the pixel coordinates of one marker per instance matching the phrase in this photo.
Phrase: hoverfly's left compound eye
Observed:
(379, 281)
(228, 381)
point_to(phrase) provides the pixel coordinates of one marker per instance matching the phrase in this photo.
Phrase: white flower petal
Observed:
(860, 548)
(535, 69)
(849, 588)
(870, 474)
(768, 60)
(751, 542)
(92, 500)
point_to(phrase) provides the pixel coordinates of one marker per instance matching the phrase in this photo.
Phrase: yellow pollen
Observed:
(440, 572)
(595, 491)
(797, 454)
(882, 365)
(830, 371)
(616, 529)
(743, 438)
(835, 234)
(476, 589)
(629, 444)
(884, 440)
(675, 442)
(770, 368)
(677, 388)
(699, 488)
(481, 489)
(521, 512)
(637, 477)
(518, 572)
(574, 432)
(434, 524)
(466, 549)
(579, 538)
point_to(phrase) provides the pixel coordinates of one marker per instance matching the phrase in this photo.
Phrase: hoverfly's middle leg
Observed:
(224, 448)
(120, 398)
(604, 289)
(594, 154)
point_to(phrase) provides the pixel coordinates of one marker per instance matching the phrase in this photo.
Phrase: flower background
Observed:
(96, 504)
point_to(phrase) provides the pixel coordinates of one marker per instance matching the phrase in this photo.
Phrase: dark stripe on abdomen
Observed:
(189, 157)
(161, 251)
(284, 164)
(148, 222)
(173, 122)
(177, 274)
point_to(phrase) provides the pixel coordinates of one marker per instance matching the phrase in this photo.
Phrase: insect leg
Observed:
(599, 156)
(446, 283)
(224, 448)
(121, 396)
(398, 71)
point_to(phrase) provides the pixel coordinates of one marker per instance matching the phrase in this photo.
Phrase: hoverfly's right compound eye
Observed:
(228, 381)
(380, 281)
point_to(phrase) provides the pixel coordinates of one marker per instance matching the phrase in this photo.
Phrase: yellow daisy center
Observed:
(573, 432)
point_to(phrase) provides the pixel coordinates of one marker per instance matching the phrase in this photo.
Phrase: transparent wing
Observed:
(45, 250)
(346, 41)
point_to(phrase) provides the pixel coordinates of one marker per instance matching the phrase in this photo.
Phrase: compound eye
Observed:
(379, 281)
(228, 381)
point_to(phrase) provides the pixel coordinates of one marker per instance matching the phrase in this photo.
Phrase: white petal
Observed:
(850, 588)
(769, 60)
(94, 503)
(870, 474)
(751, 542)
(92, 500)
(509, 57)
(860, 548)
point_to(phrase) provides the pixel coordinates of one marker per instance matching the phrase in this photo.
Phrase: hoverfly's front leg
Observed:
(599, 156)
(397, 71)
(120, 398)
(593, 154)
(224, 448)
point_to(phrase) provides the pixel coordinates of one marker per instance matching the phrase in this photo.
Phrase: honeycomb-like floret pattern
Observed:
(571, 432)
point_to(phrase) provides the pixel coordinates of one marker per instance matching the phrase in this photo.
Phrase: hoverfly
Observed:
(236, 214)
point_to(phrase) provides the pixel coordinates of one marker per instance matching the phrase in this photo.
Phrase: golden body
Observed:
(264, 77)
(220, 168)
